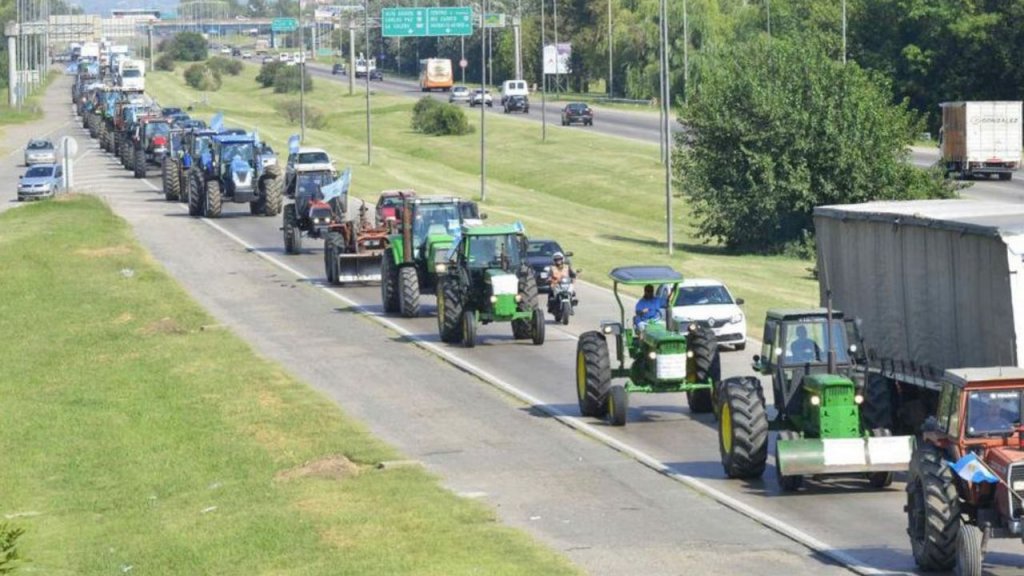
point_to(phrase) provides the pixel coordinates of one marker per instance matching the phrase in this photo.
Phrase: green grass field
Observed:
(137, 441)
(602, 197)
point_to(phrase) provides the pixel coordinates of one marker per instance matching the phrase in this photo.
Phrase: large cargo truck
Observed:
(937, 284)
(981, 138)
(436, 74)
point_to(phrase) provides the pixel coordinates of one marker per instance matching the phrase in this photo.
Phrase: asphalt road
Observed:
(597, 502)
(980, 189)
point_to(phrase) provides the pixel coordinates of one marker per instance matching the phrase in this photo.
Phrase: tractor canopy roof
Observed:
(638, 275)
(792, 314)
(319, 167)
(501, 230)
(234, 138)
(432, 199)
(991, 375)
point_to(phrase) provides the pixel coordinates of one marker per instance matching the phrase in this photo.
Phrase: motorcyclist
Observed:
(558, 270)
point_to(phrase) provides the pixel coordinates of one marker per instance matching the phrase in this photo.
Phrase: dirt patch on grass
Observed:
(124, 318)
(163, 326)
(269, 400)
(335, 467)
(104, 252)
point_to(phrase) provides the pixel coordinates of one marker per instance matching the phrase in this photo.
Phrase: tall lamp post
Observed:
(483, 103)
(302, 77)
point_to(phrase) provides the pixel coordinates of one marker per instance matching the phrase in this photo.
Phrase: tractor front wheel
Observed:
(705, 365)
(449, 313)
(618, 405)
(743, 428)
(969, 551)
(213, 204)
(790, 483)
(933, 511)
(409, 289)
(880, 479)
(195, 192)
(537, 330)
(593, 373)
(468, 329)
(388, 283)
(271, 189)
(172, 182)
(139, 165)
(332, 249)
(290, 228)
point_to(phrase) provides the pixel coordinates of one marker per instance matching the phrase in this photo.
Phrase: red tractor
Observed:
(966, 482)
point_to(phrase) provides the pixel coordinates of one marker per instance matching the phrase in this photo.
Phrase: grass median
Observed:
(602, 197)
(138, 440)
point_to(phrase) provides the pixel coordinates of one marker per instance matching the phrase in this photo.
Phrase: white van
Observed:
(513, 88)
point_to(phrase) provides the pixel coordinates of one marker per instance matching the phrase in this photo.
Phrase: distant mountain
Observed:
(103, 7)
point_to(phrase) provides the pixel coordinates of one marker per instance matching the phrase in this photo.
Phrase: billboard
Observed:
(556, 58)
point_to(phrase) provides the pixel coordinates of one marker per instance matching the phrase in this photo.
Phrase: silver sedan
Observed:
(40, 151)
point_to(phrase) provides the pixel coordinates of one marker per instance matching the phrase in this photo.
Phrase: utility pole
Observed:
(369, 132)
(351, 55)
(844, 31)
(558, 67)
(610, 91)
(666, 122)
(302, 76)
(686, 53)
(543, 78)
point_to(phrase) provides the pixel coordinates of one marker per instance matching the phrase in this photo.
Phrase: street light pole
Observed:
(610, 91)
(483, 104)
(369, 132)
(666, 122)
(844, 31)
(543, 78)
(302, 76)
(558, 77)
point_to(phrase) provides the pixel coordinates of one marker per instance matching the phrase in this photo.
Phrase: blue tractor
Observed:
(228, 167)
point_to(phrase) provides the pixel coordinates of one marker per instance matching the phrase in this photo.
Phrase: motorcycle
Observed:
(562, 301)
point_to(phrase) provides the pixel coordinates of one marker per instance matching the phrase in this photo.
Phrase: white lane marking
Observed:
(781, 527)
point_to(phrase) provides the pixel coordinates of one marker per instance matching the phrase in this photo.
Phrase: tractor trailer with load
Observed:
(937, 284)
(981, 138)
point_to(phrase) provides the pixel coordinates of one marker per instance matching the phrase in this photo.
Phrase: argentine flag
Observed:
(972, 469)
(293, 144)
(337, 188)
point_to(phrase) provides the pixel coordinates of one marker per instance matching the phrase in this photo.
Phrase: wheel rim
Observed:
(725, 423)
(581, 376)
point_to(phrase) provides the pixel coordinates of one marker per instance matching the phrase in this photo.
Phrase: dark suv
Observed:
(577, 112)
(517, 104)
(337, 69)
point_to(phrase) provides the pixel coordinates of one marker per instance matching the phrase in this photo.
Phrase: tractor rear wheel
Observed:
(290, 228)
(537, 330)
(705, 365)
(969, 553)
(140, 163)
(880, 479)
(786, 483)
(528, 292)
(213, 205)
(743, 428)
(388, 283)
(195, 195)
(468, 328)
(877, 409)
(593, 373)
(127, 159)
(409, 291)
(172, 183)
(933, 510)
(618, 405)
(449, 313)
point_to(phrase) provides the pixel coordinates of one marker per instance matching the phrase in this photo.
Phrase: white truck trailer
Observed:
(937, 284)
(133, 75)
(981, 138)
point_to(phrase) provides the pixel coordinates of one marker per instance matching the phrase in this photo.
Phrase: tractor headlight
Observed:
(689, 353)
(519, 297)
(692, 327)
(815, 401)
(652, 355)
(853, 348)
(494, 299)
(858, 399)
(316, 220)
(440, 268)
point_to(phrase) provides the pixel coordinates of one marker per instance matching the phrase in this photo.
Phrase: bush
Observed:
(225, 66)
(287, 79)
(165, 62)
(433, 117)
(267, 73)
(315, 118)
(9, 553)
(200, 77)
(187, 46)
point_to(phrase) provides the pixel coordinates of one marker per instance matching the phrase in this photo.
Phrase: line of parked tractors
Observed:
(829, 419)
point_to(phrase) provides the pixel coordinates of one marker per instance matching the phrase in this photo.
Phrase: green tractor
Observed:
(818, 400)
(487, 280)
(418, 252)
(664, 357)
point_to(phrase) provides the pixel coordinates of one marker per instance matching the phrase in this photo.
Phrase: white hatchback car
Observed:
(709, 302)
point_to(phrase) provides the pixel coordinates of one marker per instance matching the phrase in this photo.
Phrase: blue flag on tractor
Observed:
(337, 188)
(217, 122)
(972, 469)
(293, 144)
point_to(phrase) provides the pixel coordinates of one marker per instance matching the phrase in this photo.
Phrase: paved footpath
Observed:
(604, 511)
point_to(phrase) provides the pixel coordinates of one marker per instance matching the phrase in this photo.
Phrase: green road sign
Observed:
(284, 25)
(400, 22)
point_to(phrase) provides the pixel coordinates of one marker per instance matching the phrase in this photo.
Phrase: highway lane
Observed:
(846, 516)
(602, 509)
(980, 189)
